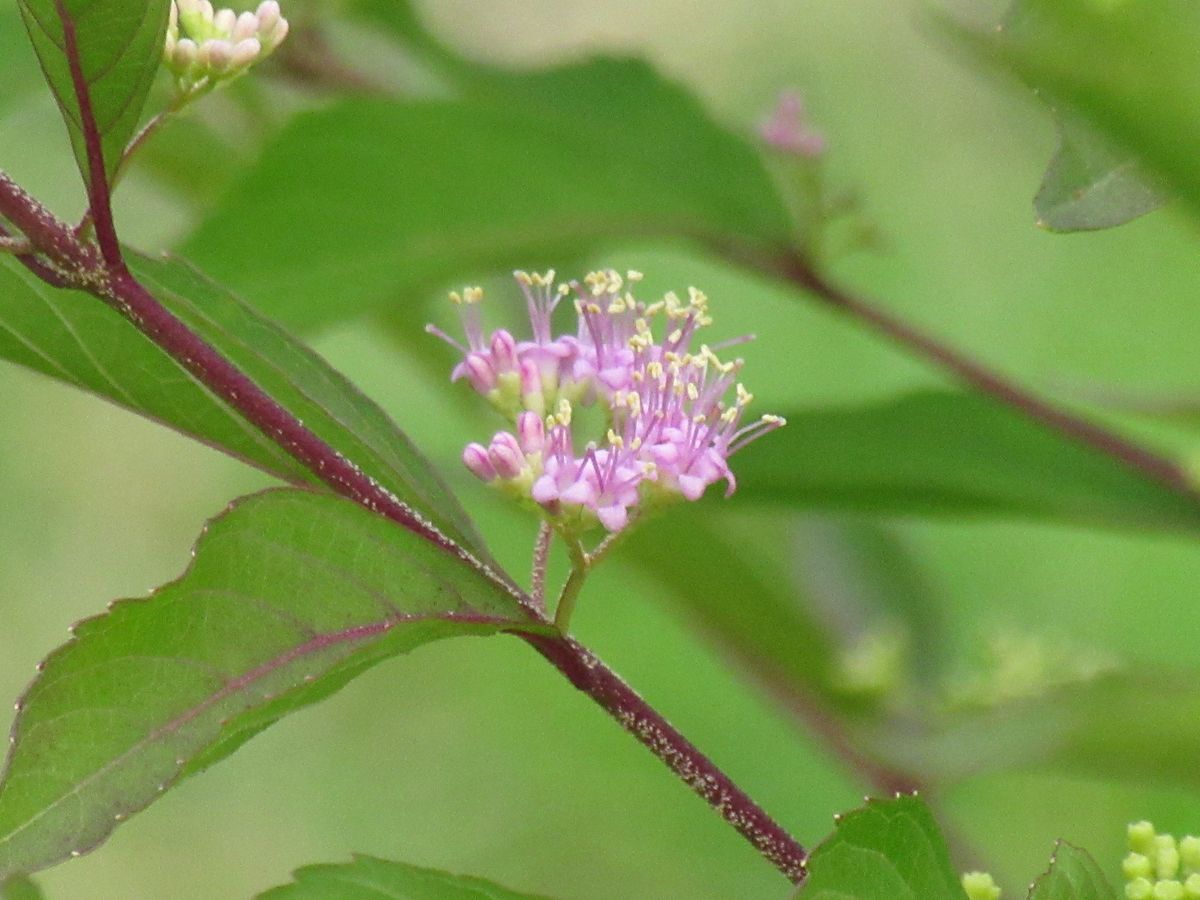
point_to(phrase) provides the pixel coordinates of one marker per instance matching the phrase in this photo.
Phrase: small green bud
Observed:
(1167, 857)
(1189, 853)
(1141, 838)
(980, 886)
(1168, 890)
(1191, 887)
(1137, 865)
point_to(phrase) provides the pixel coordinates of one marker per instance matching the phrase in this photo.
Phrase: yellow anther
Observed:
(774, 420)
(693, 392)
(472, 294)
(729, 415)
(455, 297)
(522, 277)
(675, 336)
(744, 397)
(616, 440)
(654, 369)
(594, 309)
(634, 275)
(563, 290)
(697, 298)
(563, 415)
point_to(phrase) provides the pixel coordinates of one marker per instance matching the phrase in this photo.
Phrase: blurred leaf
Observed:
(887, 850)
(1090, 186)
(19, 73)
(1073, 875)
(528, 171)
(19, 887)
(744, 606)
(1130, 68)
(945, 453)
(290, 595)
(120, 44)
(77, 339)
(1120, 725)
(368, 878)
(858, 576)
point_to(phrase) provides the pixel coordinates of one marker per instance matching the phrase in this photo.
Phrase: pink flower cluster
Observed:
(670, 428)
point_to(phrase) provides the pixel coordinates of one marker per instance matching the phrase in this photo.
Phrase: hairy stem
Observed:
(580, 564)
(541, 558)
(637, 717)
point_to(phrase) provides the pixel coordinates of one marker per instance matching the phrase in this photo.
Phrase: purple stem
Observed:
(637, 717)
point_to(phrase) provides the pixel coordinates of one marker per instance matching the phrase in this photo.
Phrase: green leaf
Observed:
(1089, 185)
(1131, 725)
(290, 595)
(120, 45)
(525, 172)
(887, 850)
(946, 453)
(1094, 59)
(19, 887)
(368, 878)
(748, 608)
(1073, 875)
(77, 339)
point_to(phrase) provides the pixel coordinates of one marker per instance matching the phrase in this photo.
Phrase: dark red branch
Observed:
(637, 717)
(99, 199)
(233, 386)
(43, 230)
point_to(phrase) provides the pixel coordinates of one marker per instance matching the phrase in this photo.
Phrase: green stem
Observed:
(570, 591)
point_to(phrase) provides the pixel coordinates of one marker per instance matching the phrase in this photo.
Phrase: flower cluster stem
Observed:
(541, 559)
(580, 564)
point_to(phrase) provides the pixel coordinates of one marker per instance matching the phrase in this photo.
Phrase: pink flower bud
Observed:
(531, 432)
(224, 21)
(506, 456)
(246, 26)
(788, 130)
(216, 55)
(475, 458)
(531, 379)
(504, 351)
(480, 372)
(245, 52)
(268, 15)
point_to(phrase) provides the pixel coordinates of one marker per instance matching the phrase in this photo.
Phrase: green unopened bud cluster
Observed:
(980, 886)
(1159, 867)
(206, 46)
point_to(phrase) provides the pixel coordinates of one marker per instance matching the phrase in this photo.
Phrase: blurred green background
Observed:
(474, 756)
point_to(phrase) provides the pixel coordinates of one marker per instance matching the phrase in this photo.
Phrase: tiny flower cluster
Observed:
(1160, 868)
(670, 423)
(205, 46)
